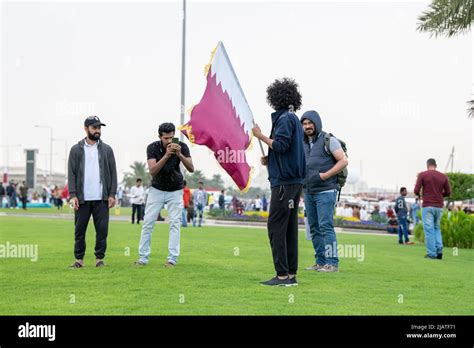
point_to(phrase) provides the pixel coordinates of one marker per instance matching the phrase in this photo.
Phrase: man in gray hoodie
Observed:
(92, 180)
(320, 190)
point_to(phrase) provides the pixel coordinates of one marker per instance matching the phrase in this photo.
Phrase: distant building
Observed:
(18, 174)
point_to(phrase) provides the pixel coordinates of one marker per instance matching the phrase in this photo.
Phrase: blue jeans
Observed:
(320, 212)
(155, 202)
(415, 218)
(13, 202)
(184, 217)
(402, 229)
(198, 211)
(431, 218)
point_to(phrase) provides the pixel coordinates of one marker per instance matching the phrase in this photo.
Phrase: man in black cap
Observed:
(92, 180)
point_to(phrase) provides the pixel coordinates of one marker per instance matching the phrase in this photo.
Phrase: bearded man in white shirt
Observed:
(92, 181)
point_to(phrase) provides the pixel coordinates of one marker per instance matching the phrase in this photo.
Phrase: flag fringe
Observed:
(189, 131)
(246, 188)
(208, 66)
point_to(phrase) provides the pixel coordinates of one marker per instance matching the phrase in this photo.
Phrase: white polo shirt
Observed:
(92, 182)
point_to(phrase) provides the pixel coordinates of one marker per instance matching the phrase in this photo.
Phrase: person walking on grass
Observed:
(186, 198)
(258, 203)
(164, 159)
(137, 198)
(2, 195)
(432, 186)
(190, 215)
(23, 194)
(222, 201)
(414, 211)
(200, 200)
(401, 209)
(120, 196)
(92, 180)
(11, 195)
(286, 172)
(58, 198)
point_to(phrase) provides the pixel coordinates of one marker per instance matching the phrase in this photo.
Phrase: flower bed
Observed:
(262, 216)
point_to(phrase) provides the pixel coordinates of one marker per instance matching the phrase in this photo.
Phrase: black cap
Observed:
(93, 121)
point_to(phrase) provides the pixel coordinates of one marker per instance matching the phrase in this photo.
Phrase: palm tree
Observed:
(193, 178)
(448, 18)
(470, 111)
(216, 181)
(139, 170)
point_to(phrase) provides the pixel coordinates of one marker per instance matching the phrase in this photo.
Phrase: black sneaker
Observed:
(277, 282)
(293, 281)
(430, 257)
(439, 256)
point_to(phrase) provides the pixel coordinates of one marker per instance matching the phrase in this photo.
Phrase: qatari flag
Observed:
(223, 120)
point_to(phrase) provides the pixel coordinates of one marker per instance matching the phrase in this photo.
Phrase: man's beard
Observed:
(93, 136)
(313, 133)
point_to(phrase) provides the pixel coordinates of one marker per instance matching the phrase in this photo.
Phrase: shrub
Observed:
(457, 230)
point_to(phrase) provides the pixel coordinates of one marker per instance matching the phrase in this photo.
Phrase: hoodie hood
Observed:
(314, 117)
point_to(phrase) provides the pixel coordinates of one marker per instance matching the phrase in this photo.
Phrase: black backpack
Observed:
(342, 175)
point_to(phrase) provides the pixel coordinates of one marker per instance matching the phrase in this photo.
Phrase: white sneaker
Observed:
(315, 267)
(329, 268)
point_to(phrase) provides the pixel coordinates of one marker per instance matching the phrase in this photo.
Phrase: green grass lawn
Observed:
(122, 211)
(211, 279)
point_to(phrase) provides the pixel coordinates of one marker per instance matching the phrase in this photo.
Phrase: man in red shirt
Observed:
(390, 212)
(186, 198)
(434, 186)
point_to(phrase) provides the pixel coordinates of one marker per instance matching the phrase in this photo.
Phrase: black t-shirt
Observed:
(169, 178)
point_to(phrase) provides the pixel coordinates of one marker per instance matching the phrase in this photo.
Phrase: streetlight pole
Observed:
(183, 69)
(65, 155)
(50, 151)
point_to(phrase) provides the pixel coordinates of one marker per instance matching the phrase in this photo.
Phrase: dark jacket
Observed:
(107, 168)
(401, 207)
(221, 201)
(286, 161)
(317, 159)
(11, 191)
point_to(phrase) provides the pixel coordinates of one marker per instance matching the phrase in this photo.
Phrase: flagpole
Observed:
(259, 141)
(183, 70)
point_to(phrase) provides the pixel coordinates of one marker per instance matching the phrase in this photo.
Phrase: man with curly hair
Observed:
(286, 171)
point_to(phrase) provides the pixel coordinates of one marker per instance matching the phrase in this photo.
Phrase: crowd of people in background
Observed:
(16, 195)
(196, 201)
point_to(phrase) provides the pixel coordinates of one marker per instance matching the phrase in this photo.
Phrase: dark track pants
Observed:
(100, 214)
(283, 228)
